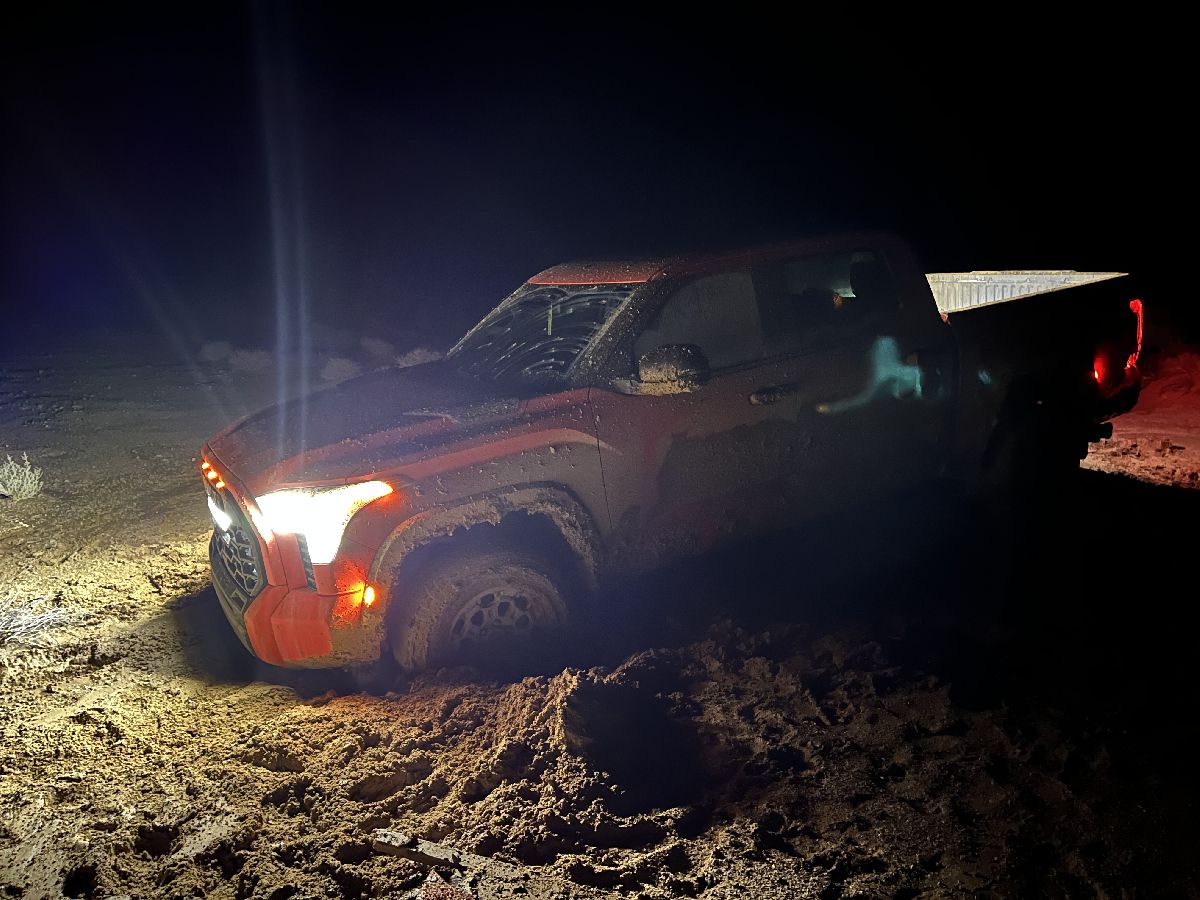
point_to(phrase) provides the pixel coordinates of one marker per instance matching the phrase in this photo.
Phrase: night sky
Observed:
(179, 167)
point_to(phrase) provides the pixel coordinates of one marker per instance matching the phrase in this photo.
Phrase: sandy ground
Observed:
(870, 709)
(1159, 440)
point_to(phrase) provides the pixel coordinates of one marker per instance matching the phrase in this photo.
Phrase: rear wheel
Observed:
(1028, 487)
(501, 608)
(1033, 459)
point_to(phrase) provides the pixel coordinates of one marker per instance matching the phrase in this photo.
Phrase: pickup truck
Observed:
(608, 418)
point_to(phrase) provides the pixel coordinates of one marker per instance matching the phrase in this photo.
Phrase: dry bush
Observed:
(215, 351)
(20, 480)
(338, 368)
(252, 362)
(23, 622)
(379, 352)
(417, 356)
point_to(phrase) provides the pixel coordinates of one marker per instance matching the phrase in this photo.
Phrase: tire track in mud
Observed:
(142, 772)
(765, 765)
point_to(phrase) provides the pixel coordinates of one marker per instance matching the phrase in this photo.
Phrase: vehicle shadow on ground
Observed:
(987, 606)
(1080, 619)
(210, 648)
(1091, 591)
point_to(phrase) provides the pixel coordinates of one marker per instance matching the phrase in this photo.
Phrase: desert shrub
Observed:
(417, 356)
(215, 351)
(19, 480)
(338, 368)
(22, 621)
(252, 362)
(379, 352)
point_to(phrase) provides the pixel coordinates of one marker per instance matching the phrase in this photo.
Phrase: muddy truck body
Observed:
(610, 418)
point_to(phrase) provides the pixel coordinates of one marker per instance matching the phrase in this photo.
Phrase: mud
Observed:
(1159, 440)
(858, 711)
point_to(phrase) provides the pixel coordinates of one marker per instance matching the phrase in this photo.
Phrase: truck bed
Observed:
(1070, 354)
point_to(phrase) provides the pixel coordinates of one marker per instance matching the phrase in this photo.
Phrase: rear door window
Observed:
(818, 301)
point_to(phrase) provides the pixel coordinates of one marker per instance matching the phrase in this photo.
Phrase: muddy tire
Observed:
(499, 609)
(1029, 482)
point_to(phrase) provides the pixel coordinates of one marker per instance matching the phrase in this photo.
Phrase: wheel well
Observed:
(1042, 406)
(517, 530)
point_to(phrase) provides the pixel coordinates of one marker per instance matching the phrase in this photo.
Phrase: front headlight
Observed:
(220, 518)
(319, 514)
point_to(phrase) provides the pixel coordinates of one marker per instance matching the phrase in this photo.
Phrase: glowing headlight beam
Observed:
(320, 515)
(219, 516)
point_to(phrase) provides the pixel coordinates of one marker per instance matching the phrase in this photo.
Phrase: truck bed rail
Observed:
(958, 291)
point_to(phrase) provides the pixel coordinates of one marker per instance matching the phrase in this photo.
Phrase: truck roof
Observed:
(601, 272)
(952, 291)
(639, 271)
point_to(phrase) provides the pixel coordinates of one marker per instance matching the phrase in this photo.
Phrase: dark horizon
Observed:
(404, 175)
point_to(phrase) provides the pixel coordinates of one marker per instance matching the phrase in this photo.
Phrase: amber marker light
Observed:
(368, 595)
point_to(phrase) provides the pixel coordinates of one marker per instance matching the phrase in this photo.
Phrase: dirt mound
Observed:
(1175, 383)
(714, 764)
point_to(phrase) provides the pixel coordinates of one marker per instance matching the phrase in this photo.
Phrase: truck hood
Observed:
(361, 427)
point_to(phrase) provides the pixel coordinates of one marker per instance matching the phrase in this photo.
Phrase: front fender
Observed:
(554, 503)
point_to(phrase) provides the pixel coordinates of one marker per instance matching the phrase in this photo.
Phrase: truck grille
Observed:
(307, 560)
(236, 556)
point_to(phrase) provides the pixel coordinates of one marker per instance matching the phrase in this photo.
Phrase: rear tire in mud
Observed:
(499, 609)
(1029, 482)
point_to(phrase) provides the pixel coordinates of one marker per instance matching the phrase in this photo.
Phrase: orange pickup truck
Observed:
(612, 417)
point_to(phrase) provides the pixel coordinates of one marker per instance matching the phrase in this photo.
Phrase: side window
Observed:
(820, 300)
(718, 313)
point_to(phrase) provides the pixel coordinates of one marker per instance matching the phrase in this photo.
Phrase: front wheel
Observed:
(498, 609)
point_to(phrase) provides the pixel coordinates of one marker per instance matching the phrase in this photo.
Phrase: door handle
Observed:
(765, 396)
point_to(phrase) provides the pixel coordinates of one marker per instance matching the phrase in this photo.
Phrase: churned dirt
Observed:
(906, 704)
(1159, 440)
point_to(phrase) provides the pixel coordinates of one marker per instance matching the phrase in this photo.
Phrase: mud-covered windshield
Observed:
(537, 335)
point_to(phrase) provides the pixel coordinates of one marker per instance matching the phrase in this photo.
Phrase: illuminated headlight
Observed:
(319, 514)
(219, 516)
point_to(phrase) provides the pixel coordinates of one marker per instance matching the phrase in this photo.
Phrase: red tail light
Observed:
(1105, 369)
(1138, 310)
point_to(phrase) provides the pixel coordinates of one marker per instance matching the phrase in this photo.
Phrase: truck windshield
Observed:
(536, 336)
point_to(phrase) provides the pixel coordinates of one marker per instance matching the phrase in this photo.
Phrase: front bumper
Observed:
(281, 611)
(299, 627)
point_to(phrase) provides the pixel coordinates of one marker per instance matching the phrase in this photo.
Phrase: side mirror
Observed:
(672, 369)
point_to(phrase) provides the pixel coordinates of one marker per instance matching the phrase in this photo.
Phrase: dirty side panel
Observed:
(551, 442)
